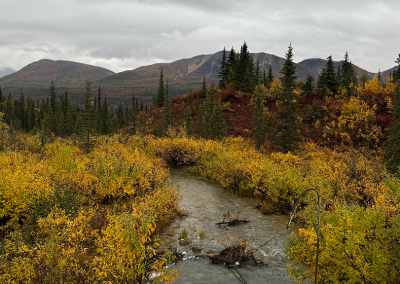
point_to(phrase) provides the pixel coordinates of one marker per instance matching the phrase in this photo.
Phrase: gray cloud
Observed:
(122, 34)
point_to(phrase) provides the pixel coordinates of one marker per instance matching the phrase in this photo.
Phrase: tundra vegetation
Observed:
(80, 203)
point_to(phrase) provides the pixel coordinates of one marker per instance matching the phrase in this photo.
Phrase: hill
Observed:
(183, 75)
(35, 77)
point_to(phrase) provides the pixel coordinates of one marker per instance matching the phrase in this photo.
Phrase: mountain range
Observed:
(182, 75)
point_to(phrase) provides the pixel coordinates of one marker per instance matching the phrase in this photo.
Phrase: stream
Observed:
(206, 203)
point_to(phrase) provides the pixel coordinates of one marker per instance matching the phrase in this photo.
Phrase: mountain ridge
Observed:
(182, 75)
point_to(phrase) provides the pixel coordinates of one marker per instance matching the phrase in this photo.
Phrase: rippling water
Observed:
(206, 202)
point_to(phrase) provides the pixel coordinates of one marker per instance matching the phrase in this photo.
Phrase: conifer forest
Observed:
(86, 190)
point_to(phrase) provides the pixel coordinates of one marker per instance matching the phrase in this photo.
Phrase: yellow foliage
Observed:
(374, 86)
(275, 90)
(355, 247)
(390, 85)
(355, 125)
(86, 217)
(280, 178)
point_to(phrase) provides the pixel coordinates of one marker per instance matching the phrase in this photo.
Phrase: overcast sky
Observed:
(125, 34)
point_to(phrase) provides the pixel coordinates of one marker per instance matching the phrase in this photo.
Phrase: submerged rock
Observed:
(197, 249)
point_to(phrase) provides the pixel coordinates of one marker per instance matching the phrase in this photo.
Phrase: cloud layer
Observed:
(122, 34)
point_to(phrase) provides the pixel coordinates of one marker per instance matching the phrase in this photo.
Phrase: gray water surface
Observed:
(206, 203)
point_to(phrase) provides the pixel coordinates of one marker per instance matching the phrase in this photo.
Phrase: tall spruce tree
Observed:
(260, 118)
(203, 91)
(270, 77)
(348, 77)
(392, 145)
(31, 119)
(87, 138)
(165, 122)
(69, 116)
(330, 79)
(217, 122)
(243, 79)
(60, 121)
(285, 134)
(309, 85)
(52, 89)
(230, 65)
(160, 100)
(264, 78)
(206, 113)
(105, 117)
(257, 72)
(396, 73)
(379, 77)
(133, 115)
(223, 71)
(166, 93)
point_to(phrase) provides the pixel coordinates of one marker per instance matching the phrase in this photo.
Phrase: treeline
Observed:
(58, 115)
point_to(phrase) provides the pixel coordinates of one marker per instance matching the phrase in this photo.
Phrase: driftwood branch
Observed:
(233, 222)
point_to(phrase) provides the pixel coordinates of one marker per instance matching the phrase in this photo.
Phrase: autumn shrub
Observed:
(24, 179)
(357, 245)
(279, 178)
(71, 217)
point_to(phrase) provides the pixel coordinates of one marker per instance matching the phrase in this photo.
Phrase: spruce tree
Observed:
(69, 116)
(330, 80)
(379, 77)
(166, 93)
(260, 118)
(60, 121)
(257, 73)
(230, 65)
(120, 115)
(396, 73)
(99, 99)
(392, 145)
(209, 113)
(309, 85)
(315, 112)
(244, 79)
(264, 78)
(285, 135)
(52, 95)
(47, 123)
(31, 123)
(105, 118)
(270, 77)
(217, 123)
(133, 113)
(223, 71)
(97, 127)
(348, 77)
(339, 76)
(165, 122)
(160, 100)
(87, 139)
(203, 91)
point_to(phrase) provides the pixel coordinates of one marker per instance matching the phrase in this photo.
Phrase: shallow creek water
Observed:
(205, 203)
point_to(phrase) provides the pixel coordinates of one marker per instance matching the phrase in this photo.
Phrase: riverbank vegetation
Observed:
(77, 206)
(71, 217)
